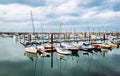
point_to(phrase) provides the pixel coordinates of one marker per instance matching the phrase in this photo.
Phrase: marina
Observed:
(59, 53)
(64, 36)
(41, 42)
(18, 62)
(59, 38)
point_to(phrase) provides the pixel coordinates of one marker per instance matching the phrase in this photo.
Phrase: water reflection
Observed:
(30, 55)
(14, 61)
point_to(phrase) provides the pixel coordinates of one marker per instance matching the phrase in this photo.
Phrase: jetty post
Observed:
(52, 50)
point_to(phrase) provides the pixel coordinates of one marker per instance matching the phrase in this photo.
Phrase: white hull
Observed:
(63, 51)
(40, 48)
(31, 49)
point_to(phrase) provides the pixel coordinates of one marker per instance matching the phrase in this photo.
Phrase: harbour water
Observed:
(14, 62)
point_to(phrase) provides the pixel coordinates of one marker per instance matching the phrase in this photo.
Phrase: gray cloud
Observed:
(26, 2)
(55, 12)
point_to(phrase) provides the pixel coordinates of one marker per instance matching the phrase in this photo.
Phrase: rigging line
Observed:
(103, 60)
(57, 62)
(42, 34)
(75, 38)
(78, 59)
(60, 67)
(95, 53)
(61, 58)
(35, 67)
(27, 73)
(32, 68)
(65, 34)
(90, 60)
(76, 66)
(49, 65)
(72, 66)
(66, 62)
(60, 33)
(32, 22)
(98, 58)
(42, 66)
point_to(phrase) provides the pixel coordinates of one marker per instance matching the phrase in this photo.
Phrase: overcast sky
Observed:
(80, 13)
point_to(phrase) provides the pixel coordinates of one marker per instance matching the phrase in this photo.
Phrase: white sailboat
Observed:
(30, 47)
(61, 49)
(74, 47)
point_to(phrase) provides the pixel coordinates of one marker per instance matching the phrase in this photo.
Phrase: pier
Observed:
(62, 37)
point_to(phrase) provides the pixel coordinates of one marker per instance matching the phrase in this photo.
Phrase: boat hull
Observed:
(63, 51)
(31, 50)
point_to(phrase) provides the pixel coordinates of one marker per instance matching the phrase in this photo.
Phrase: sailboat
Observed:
(30, 54)
(112, 45)
(111, 42)
(86, 46)
(75, 46)
(60, 49)
(31, 48)
(63, 51)
(48, 46)
(101, 45)
(104, 45)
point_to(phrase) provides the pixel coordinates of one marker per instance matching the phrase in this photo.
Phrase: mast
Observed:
(104, 33)
(49, 34)
(32, 23)
(73, 38)
(33, 28)
(60, 33)
(89, 33)
(42, 34)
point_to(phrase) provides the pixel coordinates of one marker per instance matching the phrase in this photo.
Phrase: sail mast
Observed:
(60, 33)
(32, 22)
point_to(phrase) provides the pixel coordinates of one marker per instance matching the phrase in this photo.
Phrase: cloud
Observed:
(53, 12)
(25, 2)
(14, 12)
(54, 2)
(67, 7)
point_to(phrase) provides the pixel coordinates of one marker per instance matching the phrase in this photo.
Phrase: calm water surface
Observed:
(13, 62)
